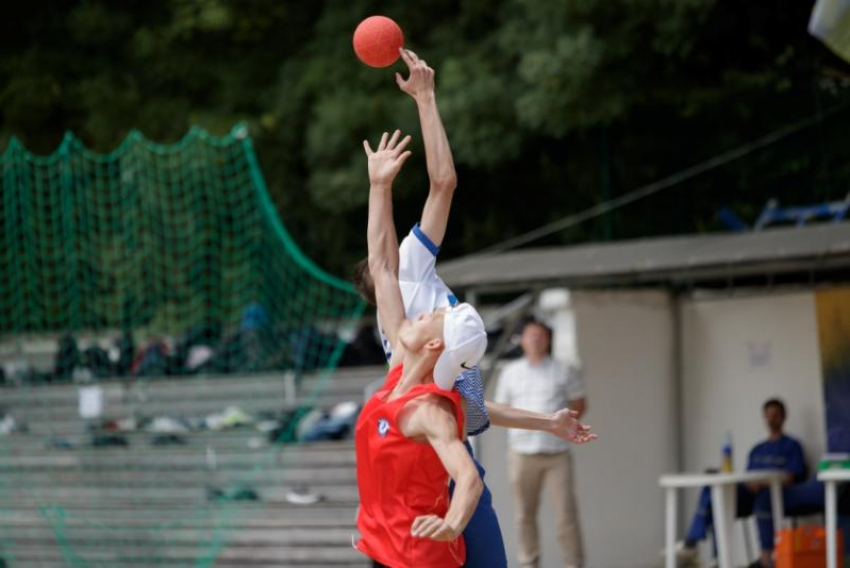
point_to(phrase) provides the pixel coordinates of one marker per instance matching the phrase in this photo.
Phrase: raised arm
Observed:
(438, 153)
(432, 418)
(381, 237)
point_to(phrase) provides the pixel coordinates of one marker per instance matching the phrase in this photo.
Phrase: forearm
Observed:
(468, 489)
(438, 153)
(381, 238)
(435, 419)
(509, 417)
(383, 262)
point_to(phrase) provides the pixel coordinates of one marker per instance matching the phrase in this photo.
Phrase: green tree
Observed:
(550, 106)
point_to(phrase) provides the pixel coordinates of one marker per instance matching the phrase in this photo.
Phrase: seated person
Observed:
(779, 451)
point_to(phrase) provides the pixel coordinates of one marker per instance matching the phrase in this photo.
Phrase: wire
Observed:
(657, 186)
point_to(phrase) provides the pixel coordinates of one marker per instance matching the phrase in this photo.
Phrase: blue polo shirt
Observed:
(784, 453)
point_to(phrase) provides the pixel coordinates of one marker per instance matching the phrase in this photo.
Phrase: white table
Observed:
(831, 478)
(723, 496)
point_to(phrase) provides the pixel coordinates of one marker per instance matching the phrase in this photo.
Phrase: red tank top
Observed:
(400, 479)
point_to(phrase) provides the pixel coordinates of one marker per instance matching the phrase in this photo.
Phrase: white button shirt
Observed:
(545, 387)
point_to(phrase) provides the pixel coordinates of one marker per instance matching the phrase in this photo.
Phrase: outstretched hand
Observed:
(387, 160)
(565, 425)
(420, 83)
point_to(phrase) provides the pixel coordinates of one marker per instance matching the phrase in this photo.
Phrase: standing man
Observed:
(538, 383)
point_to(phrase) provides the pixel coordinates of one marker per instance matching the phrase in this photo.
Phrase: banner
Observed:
(833, 320)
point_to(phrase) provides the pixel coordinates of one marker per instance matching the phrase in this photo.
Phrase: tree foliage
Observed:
(550, 107)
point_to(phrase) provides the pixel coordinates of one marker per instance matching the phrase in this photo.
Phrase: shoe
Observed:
(686, 557)
(302, 496)
(166, 425)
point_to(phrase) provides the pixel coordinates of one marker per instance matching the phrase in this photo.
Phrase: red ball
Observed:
(377, 40)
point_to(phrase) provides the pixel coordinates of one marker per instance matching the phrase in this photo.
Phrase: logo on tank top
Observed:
(383, 427)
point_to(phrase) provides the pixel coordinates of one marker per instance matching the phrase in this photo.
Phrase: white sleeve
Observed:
(575, 383)
(503, 388)
(417, 257)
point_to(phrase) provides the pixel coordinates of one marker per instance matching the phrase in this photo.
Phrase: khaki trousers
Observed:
(528, 473)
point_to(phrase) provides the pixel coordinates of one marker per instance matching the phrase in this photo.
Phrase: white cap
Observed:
(465, 341)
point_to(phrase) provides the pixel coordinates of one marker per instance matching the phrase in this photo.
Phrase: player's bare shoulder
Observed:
(427, 416)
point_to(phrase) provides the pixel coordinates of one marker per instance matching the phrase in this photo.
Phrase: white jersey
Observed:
(422, 291)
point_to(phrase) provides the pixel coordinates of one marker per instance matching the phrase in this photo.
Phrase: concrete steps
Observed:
(145, 504)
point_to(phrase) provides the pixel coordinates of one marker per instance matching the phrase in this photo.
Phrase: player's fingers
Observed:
(368, 148)
(430, 528)
(419, 523)
(383, 144)
(403, 158)
(399, 80)
(405, 55)
(403, 144)
(413, 57)
(393, 140)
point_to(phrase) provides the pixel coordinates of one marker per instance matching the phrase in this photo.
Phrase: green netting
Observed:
(152, 237)
(148, 243)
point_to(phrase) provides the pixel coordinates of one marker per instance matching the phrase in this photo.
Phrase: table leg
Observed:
(670, 529)
(777, 507)
(723, 503)
(831, 526)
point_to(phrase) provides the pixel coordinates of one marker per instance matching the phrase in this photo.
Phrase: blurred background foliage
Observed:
(551, 107)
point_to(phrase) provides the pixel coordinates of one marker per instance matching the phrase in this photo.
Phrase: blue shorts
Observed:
(484, 545)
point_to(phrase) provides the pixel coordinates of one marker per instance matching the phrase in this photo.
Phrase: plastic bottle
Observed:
(726, 464)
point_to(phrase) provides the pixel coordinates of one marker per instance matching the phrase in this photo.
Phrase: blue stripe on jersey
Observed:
(425, 240)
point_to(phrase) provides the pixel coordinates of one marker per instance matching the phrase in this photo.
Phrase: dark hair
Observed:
(362, 279)
(774, 402)
(534, 321)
